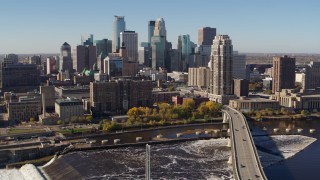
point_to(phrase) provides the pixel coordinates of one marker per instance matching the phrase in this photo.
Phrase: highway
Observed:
(246, 162)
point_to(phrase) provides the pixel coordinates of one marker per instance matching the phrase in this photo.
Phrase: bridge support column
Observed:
(225, 118)
(230, 160)
(229, 143)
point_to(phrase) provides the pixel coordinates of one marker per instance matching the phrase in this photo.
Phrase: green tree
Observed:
(89, 119)
(32, 120)
(304, 113)
(258, 115)
(74, 119)
(59, 122)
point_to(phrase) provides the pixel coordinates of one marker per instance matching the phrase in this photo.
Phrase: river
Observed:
(304, 165)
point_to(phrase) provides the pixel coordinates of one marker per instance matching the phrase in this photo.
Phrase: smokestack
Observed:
(43, 105)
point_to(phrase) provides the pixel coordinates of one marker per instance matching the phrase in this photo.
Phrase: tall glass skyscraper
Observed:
(65, 58)
(158, 44)
(87, 40)
(119, 25)
(184, 45)
(151, 30)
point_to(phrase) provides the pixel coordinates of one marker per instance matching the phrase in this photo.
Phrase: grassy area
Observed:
(14, 131)
(36, 162)
(74, 131)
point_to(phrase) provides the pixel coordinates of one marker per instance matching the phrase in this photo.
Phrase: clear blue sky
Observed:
(41, 26)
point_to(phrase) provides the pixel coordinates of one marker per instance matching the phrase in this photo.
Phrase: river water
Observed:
(199, 159)
(304, 165)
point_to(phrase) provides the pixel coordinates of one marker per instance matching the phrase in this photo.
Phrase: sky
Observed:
(256, 26)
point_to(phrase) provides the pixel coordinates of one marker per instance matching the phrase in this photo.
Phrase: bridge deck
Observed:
(246, 161)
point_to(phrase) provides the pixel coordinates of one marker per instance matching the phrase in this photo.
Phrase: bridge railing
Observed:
(253, 145)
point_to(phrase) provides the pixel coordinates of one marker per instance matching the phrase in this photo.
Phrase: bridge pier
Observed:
(229, 143)
(230, 160)
(225, 118)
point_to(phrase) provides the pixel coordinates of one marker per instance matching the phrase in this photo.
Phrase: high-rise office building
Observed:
(19, 77)
(65, 61)
(36, 59)
(10, 59)
(151, 25)
(206, 35)
(52, 64)
(158, 44)
(241, 87)
(199, 77)
(239, 66)
(283, 73)
(221, 66)
(175, 60)
(184, 46)
(130, 39)
(87, 40)
(104, 47)
(312, 76)
(119, 25)
(84, 57)
(144, 55)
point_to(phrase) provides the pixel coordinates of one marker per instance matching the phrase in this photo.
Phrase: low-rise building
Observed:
(67, 108)
(163, 96)
(298, 99)
(22, 106)
(253, 104)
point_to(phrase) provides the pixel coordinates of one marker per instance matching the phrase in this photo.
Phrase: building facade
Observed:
(65, 60)
(312, 75)
(221, 65)
(49, 96)
(283, 73)
(151, 25)
(199, 77)
(206, 35)
(68, 108)
(119, 96)
(158, 44)
(130, 39)
(241, 87)
(84, 57)
(239, 65)
(19, 77)
(119, 25)
(253, 104)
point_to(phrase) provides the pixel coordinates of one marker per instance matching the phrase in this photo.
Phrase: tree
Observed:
(89, 119)
(134, 113)
(32, 120)
(258, 115)
(74, 119)
(304, 112)
(59, 122)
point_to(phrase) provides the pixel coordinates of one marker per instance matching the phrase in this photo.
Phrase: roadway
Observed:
(246, 162)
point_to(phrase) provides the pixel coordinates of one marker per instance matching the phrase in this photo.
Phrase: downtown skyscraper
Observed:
(130, 39)
(65, 61)
(221, 68)
(119, 25)
(158, 44)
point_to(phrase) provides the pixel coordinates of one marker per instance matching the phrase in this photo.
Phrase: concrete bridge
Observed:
(245, 160)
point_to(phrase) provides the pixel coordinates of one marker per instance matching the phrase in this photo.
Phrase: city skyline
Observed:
(256, 27)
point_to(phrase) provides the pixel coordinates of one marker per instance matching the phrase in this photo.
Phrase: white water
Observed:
(283, 145)
(26, 172)
(203, 159)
